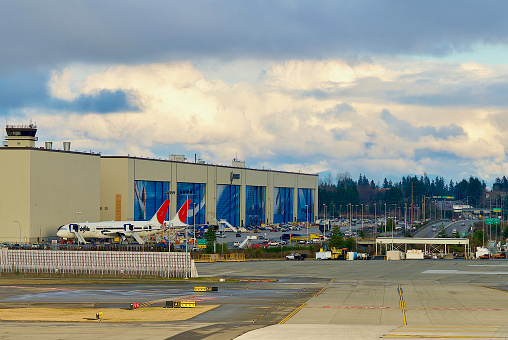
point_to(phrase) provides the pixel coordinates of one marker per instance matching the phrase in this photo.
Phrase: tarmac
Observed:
(438, 299)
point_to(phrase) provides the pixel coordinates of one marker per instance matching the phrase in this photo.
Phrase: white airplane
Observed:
(124, 229)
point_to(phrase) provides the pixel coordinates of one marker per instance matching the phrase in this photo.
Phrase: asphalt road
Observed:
(448, 226)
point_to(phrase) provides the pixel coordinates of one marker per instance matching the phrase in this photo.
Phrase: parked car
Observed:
(238, 235)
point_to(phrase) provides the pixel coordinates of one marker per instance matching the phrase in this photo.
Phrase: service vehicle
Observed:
(296, 256)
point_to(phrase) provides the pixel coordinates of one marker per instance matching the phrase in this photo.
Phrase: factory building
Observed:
(46, 187)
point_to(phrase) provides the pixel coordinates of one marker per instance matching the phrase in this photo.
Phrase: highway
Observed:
(432, 230)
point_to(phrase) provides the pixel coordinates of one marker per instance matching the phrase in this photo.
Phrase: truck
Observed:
(296, 256)
(335, 253)
(324, 255)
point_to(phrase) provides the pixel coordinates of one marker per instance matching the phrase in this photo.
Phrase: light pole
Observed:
(362, 216)
(375, 222)
(340, 211)
(324, 221)
(333, 212)
(307, 218)
(350, 217)
(405, 216)
(169, 192)
(19, 224)
(194, 219)
(386, 221)
(186, 237)
(77, 221)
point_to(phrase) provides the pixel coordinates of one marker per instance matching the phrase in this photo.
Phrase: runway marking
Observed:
(258, 280)
(353, 307)
(450, 308)
(40, 288)
(292, 314)
(402, 304)
(446, 271)
(437, 336)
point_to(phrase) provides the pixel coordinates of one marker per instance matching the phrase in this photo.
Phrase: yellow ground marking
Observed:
(292, 313)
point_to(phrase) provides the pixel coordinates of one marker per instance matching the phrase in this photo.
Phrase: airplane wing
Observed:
(124, 233)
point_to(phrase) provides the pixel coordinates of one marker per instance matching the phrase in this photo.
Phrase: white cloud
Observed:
(301, 115)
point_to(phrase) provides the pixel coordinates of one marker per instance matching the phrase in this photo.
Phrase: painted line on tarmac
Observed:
(353, 307)
(292, 314)
(446, 271)
(40, 288)
(410, 336)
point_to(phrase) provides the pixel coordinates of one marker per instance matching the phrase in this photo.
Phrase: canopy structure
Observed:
(431, 245)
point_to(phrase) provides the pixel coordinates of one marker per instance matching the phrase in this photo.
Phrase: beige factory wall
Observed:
(307, 182)
(15, 197)
(62, 184)
(117, 178)
(118, 175)
(256, 178)
(191, 173)
(152, 170)
(284, 180)
(224, 175)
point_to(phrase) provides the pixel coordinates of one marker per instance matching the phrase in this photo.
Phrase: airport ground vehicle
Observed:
(323, 255)
(296, 256)
(334, 253)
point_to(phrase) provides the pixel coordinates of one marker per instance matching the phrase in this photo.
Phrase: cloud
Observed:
(53, 33)
(274, 121)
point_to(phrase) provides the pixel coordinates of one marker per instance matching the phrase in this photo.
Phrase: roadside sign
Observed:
(497, 221)
(463, 234)
(202, 246)
(201, 241)
(489, 221)
(496, 209)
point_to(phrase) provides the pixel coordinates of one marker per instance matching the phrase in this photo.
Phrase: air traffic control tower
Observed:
(21, 136)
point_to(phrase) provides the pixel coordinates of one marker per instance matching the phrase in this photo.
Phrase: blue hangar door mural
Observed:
(282, 205)
(148, 197)
(228, 204)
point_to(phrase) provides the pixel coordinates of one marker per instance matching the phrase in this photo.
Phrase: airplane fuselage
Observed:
(107, 230)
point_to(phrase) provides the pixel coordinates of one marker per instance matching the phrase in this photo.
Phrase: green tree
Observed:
(505, 232)
(477, 239)
(350, 244)
(336, 238)
(222, 248)
(210, 239)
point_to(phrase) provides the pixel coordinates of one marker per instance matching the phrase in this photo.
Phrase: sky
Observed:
(379, 88)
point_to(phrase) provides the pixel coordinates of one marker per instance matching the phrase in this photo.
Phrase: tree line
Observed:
(337, 193)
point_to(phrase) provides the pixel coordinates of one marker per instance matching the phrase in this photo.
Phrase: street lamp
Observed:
(324, 221)
(194, 218)
(169, 192)
(19, 224)
(307, 222)
(77, 221)
(362, 215)
(375, 223)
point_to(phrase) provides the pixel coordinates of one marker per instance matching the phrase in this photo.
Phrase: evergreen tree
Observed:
(210, 239)
(336, 238)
